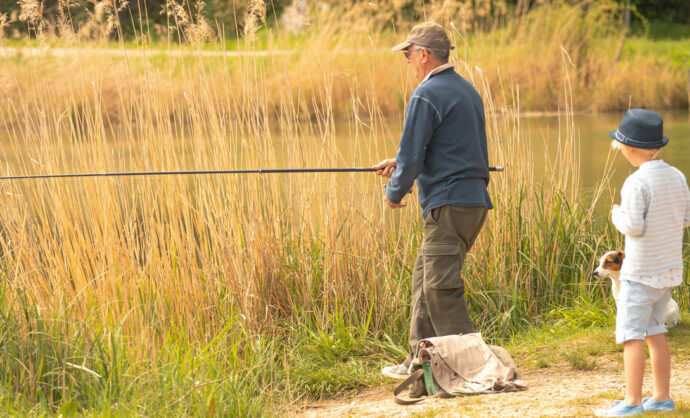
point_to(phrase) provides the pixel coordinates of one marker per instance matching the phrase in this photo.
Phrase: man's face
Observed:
(416, 57)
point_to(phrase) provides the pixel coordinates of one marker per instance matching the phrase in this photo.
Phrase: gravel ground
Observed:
(558, 390)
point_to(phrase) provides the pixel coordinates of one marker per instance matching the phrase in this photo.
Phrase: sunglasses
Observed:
(408, 52)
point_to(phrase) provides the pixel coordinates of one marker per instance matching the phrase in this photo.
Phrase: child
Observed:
(654, 209)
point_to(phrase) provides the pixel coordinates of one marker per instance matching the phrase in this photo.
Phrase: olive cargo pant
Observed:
(438, 304)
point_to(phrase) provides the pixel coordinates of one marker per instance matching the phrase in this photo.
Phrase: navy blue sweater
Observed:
(443, 146)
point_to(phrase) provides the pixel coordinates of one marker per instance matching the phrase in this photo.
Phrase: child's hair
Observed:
(618, 146)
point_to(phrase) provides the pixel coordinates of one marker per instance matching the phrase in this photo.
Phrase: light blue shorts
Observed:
(641, 311)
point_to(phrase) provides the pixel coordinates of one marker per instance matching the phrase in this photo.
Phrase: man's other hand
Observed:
(394, 205)
(385, 168)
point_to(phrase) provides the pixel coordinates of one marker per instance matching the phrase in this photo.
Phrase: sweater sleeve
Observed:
(629, 217)
(421, 121)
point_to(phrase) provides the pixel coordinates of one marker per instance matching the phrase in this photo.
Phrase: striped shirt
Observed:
(654, 209)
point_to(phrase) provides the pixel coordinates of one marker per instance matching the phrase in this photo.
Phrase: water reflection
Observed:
(592, 132)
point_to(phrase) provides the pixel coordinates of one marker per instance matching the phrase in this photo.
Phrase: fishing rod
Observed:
(167, 173)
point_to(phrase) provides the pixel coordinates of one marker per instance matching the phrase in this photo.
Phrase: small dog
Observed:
(610, 266)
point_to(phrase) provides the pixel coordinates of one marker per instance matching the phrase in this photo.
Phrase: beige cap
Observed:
(428, 35)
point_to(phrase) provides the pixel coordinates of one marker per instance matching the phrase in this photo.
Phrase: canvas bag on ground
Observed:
(460, 365)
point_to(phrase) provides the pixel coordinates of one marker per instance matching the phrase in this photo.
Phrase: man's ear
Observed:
(425, 55)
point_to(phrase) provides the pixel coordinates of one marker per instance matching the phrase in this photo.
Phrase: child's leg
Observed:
(660, 356)
(634, 360)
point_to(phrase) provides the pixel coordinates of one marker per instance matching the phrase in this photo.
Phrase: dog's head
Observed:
(610, 264)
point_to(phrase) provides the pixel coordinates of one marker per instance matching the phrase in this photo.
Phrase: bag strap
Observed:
(404, 385)
(428, 379)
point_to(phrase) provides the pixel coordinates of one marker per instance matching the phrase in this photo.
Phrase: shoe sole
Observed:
(396, 376)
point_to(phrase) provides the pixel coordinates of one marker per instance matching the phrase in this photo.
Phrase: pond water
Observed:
(592, 131)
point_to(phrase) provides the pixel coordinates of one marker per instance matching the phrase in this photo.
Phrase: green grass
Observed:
(674, 52)
(328, 361)
(562, 342)
(65, 366)
(672, 48)
(69, 367)
(660, 30)
(580, 360)
(579, 346)
(680, 336)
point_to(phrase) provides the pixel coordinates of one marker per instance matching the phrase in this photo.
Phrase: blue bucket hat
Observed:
(641, 128)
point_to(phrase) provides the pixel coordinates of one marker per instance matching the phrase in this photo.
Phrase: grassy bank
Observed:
(226, 295)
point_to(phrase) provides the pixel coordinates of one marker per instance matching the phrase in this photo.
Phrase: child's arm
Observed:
(687, 210)
(628, 218)
(687, 202)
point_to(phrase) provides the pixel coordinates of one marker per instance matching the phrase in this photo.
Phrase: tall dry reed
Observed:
(270, 247)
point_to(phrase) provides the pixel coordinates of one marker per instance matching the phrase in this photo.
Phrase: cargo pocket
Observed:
(442, 265)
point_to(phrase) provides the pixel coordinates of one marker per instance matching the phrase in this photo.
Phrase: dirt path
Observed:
(558, 390)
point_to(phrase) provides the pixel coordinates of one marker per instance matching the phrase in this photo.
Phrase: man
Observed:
(443, 147)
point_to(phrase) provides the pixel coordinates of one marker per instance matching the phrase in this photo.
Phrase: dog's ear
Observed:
(616, 260)
(618, 257)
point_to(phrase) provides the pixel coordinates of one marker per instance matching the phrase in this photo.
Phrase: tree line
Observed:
(132, 18)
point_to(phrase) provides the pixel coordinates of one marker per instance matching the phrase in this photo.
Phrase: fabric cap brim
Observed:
(401, 46)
